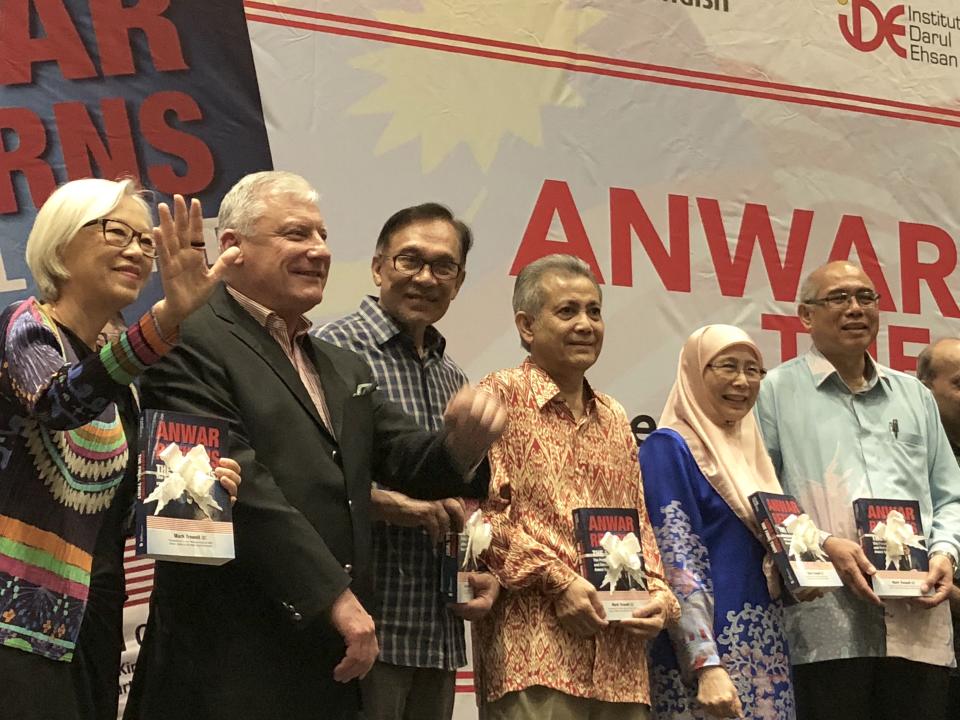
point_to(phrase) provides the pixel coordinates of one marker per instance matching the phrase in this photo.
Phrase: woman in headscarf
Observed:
(68, 424)
(728, 655)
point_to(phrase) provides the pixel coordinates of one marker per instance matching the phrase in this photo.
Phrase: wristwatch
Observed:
(949, 556)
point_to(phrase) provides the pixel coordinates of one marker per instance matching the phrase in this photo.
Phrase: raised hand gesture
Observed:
(187, 281)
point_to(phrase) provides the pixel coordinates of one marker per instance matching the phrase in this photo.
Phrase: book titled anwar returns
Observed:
(183, 514)
(629, 592)
(799, 557)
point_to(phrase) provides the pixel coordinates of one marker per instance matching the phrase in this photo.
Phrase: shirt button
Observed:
(350, 503)
(348, 568)
(297, 617)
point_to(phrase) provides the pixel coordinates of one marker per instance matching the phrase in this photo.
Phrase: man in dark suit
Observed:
(282, 631)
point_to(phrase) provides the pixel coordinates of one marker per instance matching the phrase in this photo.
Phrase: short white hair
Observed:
(246, 202)
(60, 218)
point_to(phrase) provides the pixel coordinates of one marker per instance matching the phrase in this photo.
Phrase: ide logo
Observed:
(879, 28)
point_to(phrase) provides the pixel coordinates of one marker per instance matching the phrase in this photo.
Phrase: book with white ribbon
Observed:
(182, 514)
(611, 558)
(891, 536)
(793, 540)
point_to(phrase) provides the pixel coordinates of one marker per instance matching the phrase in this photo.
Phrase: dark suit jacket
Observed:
(252, 639)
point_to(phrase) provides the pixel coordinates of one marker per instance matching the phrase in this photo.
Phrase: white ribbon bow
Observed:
(479, 535)
(897, 535)
(190, 474)
(805, 537)
(622, 556)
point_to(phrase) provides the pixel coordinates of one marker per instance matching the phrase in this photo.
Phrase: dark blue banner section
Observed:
(161, 90)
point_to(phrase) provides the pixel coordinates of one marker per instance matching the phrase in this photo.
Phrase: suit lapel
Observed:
(252, 334)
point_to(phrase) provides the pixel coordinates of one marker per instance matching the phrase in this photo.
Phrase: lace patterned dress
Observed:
(713, 564)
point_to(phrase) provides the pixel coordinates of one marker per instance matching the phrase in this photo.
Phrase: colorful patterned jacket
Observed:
(63, 453)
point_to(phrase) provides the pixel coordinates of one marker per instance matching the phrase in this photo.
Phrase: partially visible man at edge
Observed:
(282, 632)
(546, 649)
(938, 367)
(840, 426)
(419, 266)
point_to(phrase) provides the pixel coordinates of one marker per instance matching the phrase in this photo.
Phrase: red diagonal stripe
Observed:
(570, 55)
(743, 92)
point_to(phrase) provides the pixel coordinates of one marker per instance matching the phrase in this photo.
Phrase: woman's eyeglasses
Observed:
(118, 234)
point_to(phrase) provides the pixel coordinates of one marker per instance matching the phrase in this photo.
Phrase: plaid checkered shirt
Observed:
(414, 628)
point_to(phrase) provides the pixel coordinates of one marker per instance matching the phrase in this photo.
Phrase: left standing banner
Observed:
(163, 91)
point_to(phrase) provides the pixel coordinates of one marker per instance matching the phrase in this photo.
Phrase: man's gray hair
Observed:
(528, 295)
(246, 201)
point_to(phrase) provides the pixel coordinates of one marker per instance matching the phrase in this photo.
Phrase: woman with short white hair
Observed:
(68, 423)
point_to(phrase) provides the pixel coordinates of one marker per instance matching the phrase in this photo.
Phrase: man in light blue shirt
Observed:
(838, 426)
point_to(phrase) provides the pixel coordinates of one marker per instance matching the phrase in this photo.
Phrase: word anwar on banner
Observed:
(929, 33)
(918, 274)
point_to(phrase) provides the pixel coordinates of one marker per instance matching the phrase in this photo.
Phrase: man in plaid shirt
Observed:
(419, 268)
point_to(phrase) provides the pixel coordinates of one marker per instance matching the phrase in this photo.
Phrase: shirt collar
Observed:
(267, 317)
(545, 389)
(385, 328)
(822, 369)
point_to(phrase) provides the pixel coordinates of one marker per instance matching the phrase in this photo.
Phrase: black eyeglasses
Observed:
(866, 298)
(411, 265)
(731, 371)
(118, 234)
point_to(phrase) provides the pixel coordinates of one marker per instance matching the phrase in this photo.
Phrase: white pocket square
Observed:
(364, 389)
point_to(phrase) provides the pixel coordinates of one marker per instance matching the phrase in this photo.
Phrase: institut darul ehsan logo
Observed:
(923, 36)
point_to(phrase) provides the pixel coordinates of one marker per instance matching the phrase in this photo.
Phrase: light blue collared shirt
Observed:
(830, 446)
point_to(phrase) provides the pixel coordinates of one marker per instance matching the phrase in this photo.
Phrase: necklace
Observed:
(51, 310)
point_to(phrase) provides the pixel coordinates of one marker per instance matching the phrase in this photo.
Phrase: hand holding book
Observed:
(460, 563)
(485, 589)
(579, 609)
(939, 579)
(228, 474)
(852, 567)
(647, 621)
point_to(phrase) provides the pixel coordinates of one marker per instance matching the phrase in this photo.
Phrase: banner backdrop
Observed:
(702, 155)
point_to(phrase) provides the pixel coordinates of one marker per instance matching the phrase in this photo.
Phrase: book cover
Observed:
(183, 514)
(454, 586)
(461, 556)
(590, 527)
(794, 544)
(892, 538)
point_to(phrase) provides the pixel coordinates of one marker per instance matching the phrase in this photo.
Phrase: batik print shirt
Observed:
(548, 463)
